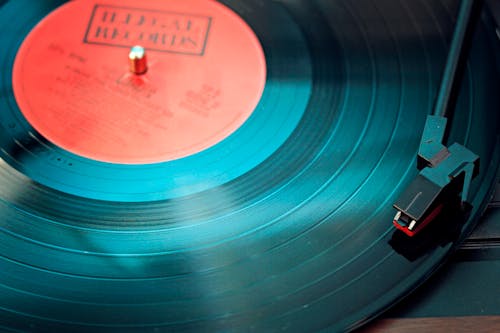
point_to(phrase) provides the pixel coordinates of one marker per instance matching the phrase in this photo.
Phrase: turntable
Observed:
(235, 165)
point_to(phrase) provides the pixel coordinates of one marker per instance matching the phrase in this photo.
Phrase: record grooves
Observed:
(283, 225)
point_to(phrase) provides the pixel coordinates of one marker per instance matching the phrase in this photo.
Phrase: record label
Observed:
(206, 74)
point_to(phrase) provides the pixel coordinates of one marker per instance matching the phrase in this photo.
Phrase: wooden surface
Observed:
(476, 324)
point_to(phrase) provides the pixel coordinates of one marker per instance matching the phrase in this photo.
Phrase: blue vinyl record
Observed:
(285, 225)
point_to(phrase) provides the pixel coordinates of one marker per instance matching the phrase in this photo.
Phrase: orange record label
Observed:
(206, 72)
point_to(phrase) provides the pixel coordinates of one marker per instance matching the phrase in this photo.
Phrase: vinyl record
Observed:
(284, 221)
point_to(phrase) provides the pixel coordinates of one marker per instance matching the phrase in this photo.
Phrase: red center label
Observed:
(206, 74)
